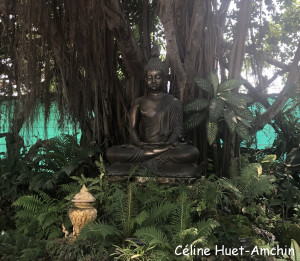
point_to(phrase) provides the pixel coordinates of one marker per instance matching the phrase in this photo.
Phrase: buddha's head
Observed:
(155, 72)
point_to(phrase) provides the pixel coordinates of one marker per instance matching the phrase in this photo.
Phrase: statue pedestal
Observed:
(142, 181)
(148, 169)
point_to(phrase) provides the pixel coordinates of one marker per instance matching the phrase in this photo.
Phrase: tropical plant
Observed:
(287, 196)
(296, 253)
(15, 245)
(226, 103)
(80, 249)
(53, 161)
(133, 251)
(40, 216)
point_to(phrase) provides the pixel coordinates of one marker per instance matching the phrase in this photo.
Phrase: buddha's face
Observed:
(155, 80)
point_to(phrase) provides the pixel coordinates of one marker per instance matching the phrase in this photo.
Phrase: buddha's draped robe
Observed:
(156, 128)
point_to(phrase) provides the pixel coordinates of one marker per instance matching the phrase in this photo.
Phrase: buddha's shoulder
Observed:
(139, 100)
(172, 99)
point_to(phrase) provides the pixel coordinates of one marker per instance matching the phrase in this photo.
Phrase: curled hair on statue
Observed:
(155, 63)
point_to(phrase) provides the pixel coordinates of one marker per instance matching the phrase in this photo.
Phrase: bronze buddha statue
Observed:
(155, 129)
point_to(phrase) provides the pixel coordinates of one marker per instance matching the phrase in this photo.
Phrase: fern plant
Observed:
(53, 162)
(40, 215)
(253, 184)
(225, 103)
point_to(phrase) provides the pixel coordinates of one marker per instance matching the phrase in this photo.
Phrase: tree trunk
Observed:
(230, 153)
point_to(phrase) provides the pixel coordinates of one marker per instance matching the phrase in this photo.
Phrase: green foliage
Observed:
(100, 231)
(181, 218)
(288, 196)
(296, 253)
(252, 185)
(133, 251)
(268, 160)
(195, 120)
(152, 236)
(197, 105)
(40, 215)
(212, 131)
(83, 250)
(204, 84)
(226, 103)
(148, 222)
(15, 245)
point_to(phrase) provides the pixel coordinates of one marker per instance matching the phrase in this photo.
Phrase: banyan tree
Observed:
(88, 58)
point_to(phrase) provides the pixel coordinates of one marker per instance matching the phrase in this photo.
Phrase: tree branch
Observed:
(118, 24)
(194, 40)
(166, 15)
(238, 48)
(271, 112)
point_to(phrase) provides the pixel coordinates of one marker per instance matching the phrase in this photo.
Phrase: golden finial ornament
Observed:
(83, 211)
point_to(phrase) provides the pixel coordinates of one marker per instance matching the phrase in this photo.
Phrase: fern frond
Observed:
(46, 219)
(99, 229)
(253, 185)
(180, 218)
(30, 202)
(46, 199)
(206, 227)
(25, 214)
(231, 187)
(211, 193)
(71, 187)
(152, 236)
(160, 212)
(42, 180)
(141, 217)
(204, 230)
(54, 233)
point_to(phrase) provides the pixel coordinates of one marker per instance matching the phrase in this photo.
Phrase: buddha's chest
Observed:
(151, 109)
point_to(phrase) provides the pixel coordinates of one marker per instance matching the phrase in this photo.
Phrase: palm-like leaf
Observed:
(229, 85)
(214, 80)
(216, 108)
(295, 256)
(195, 120)
(242, 131)
(230, 119)
(204, 85)
(196, 105)
(234, 99)
(244, 113)
(211, 131)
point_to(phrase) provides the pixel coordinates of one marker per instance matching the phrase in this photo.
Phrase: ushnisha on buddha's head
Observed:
(155, 73)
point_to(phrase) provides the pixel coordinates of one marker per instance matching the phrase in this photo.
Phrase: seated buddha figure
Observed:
(155, 128)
